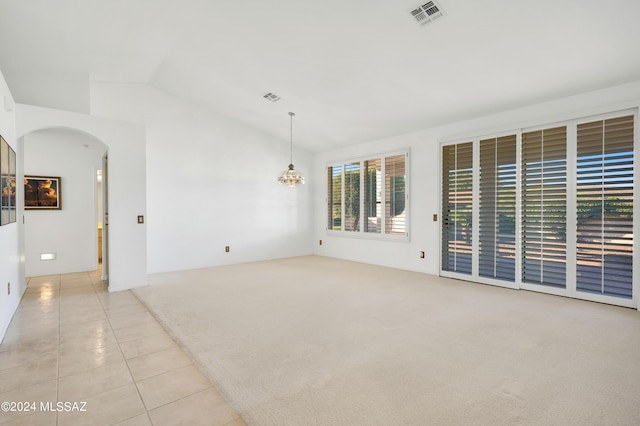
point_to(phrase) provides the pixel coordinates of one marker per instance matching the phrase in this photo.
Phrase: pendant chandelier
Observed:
(291, 177)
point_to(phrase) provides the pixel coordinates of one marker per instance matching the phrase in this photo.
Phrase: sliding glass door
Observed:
(544, 207)
(605, 207)
(457, 192)
(548, 209)
(497, 230)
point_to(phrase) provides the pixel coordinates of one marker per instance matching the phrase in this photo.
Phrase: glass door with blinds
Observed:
(457, 212)
(544, 207)
(549, 209)
(497, 206)
(605, 166)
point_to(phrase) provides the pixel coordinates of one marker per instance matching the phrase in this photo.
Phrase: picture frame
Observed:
(42, 192)
(4, 182)
(11, 186)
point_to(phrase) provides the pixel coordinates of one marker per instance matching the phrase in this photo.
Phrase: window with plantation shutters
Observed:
(605, 166)
(372, 196)
(369, 197)
(457, 207)
(334, 197)
(544, 207)
(497, 230)
(352, 197)
(395, 197)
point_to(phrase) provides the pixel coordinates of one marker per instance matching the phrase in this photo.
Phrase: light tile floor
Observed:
(73, 341)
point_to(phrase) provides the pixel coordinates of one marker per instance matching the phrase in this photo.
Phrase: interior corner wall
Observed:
(424, 179)
(125, 142)
(211, 183)
(69, 233)
(10, 260)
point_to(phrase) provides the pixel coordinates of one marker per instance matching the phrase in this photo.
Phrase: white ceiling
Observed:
(351, 70)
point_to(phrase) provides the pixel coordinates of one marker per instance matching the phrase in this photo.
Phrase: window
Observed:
(352, 197)
(369, 197)
(395, 212)
(372, 195)
(334, 197)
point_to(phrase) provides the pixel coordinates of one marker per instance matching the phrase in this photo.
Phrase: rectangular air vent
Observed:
(427, 13)
(271, 97)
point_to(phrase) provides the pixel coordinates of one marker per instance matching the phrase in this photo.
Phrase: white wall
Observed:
(10, 259)
(211, 183)
(425, 174)
(127, 185)
(71, 232)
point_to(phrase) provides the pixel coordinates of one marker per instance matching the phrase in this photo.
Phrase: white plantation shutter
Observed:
(395, 195)
(544, 207)
(369, 196)
(372, 196)
(457, 207)
(497, 230)
(352, 196)
(549, 210)
(605, 207)
(334, 197)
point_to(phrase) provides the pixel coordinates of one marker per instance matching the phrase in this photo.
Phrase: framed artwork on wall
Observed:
(42, 193)
(7, 183)
(4, 181)
(11, 186)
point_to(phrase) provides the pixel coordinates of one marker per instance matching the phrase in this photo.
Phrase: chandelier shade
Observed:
(291, 177)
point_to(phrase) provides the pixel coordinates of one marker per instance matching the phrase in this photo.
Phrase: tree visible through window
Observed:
(369, 196)
(605, 207)
(553, 210)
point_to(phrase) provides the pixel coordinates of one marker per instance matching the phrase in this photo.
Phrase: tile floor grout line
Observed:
(135, 383)
(66, 303)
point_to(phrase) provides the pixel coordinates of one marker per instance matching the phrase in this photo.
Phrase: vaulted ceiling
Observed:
(352, 70)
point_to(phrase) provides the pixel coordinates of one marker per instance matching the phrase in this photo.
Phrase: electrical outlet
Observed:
(320, 242)
(435, 217)
(421, 255)
(141, 219)
(226, 249)
(8, 288)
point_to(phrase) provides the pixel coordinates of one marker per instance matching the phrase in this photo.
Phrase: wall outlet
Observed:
(226, 249)
(320, 242)
(8, 288)
(421, 255)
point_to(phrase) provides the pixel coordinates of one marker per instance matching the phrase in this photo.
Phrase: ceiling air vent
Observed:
(427, 13)
(271, 97)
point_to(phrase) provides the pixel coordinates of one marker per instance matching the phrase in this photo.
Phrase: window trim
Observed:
(360, 233)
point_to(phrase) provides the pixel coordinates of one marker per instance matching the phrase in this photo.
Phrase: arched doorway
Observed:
(126, 145)
(64, 238)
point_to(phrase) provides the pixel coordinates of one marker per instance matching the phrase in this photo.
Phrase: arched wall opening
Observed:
(63, 197)
(126, 189)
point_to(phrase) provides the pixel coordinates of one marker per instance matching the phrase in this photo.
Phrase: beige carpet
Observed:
(320, 341)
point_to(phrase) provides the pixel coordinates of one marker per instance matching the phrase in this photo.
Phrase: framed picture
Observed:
(11, 186)
(42, 193)
(4, 181)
